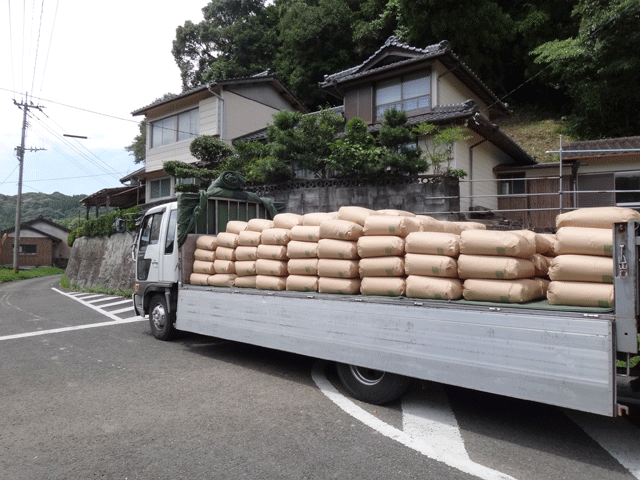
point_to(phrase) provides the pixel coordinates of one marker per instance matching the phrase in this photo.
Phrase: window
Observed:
(627, 186)
(28, 249)
(514, 186)
(407, 93)
(171, 233)
(176, 128)
(160, 188)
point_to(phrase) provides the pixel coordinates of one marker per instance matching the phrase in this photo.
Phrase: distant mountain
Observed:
(57, 207)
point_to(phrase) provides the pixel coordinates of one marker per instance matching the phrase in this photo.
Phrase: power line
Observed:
(55, 16)
(13, 72)
(35, 61)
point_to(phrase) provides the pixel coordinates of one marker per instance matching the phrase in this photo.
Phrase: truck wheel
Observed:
(372, 386)
(160, 320)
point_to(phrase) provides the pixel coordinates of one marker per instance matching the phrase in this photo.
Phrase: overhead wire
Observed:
(13, 71)
(46, 61)
(35, 61)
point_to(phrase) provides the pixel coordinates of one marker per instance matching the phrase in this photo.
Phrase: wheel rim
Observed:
(366, 376)
(158, 317)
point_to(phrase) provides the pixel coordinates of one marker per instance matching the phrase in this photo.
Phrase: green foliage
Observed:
(356, 154)
(104, 225)
(138, 148)
(597, 67)
(56, 207)
(210, 150)
(439, 147)
(8, 275)
(101, 289)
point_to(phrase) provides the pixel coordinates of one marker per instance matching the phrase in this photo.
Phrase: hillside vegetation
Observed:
(57, 207)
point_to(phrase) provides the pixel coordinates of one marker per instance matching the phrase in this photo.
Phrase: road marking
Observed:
(425, 444)
(121, 302)
(617, 436)
(70, 329)
(94, 307)
(122, 310)
(101, 299)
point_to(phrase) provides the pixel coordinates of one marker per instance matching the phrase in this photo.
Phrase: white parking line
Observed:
(103, 299)
(122, 310)
(426, 446)
(70, 329)
(121, 302)
(111, 315)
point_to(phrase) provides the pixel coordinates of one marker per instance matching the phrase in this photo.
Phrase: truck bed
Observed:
(556, 355)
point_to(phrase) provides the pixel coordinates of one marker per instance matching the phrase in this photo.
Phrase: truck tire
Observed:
(160, 320)
(372, 386)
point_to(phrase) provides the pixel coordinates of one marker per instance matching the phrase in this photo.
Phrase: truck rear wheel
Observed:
(372, 386)
(160, 320)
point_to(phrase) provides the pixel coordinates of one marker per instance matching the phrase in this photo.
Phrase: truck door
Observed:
(168, 258)
(148, 248)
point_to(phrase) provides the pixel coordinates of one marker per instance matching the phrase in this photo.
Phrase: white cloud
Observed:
(110, 58)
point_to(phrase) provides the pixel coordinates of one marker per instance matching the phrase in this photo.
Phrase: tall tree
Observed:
(599, 67)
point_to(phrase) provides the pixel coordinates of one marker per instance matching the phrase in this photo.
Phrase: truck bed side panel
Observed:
(563, 360)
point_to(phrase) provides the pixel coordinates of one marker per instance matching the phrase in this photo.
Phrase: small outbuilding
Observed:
(42, 243)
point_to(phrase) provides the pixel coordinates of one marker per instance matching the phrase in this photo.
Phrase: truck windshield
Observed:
(171, 233)
(150, 234)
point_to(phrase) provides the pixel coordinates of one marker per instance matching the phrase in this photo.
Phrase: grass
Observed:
(7, 274)
(536, 133)
(101, 289)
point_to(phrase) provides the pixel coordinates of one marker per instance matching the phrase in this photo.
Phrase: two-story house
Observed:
(432, 85)
(223, 108)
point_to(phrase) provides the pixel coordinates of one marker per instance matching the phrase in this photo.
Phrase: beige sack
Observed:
(273, 252)
(495, 267)
(203, 267)
(433, 243)
(541, 264)
(267, 282)
(229, 240)
(236, 226)
(430, 265)
(275, 236)
(451, 227)
(390, 225)
(344, 286)
(502, 291)
(302, 283)
(199, 279)
(224, 266)
(381, 267)
(545, 243)
(470, 226)
(301, 233)
(434, 288)
(530, 235)
(381, 246)
(297, 249)
(222, 280)
(224, 253)
(543, 283)
(276, 268)
(303, 266)
(430, 224)
(245, 254)
(340, 230)
(581, 294)
(206, 242)
(493, 242)
(401, 213)
(314, 219)
(388, 287)
(584, 241)
(597, 217)
(204, 255)
(581, 268)
(259, 224)
(246, 282)
(354, 214)
(329, 248)
(329, 267)
(249, 238)
(246, 268)
(287, 220)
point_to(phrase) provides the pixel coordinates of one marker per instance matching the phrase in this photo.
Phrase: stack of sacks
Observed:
(582, 271)
(271, 265)
(246, 256)
(225, 262)
(381, 252)
(338, 256)
(303, 258)
(203, 260)
(431, 266)
(496, 266)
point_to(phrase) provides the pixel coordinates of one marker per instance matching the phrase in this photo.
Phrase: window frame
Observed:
(158, 181)
(400, 104)
(22, 249)
(630, 174)
(171, 128)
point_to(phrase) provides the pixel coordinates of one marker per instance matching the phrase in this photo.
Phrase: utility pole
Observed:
(20, 151)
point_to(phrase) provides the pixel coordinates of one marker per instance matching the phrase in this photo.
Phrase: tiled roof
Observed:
(622, 145)
(441, 51)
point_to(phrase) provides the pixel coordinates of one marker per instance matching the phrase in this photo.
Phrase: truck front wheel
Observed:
(372, 386)
(160, 320)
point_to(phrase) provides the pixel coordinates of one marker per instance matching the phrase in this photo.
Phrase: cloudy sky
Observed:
(88, 65)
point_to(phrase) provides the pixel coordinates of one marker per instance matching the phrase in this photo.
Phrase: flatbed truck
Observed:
(563, 356)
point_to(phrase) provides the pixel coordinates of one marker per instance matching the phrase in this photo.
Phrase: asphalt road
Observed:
(89, 393)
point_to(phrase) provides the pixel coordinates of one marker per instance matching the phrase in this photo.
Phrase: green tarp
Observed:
(227, 185)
